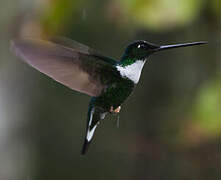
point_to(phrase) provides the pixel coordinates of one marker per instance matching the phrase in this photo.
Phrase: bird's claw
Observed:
(117, 110)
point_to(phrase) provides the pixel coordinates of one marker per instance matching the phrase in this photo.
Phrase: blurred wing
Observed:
(79, 70)
(69, 43)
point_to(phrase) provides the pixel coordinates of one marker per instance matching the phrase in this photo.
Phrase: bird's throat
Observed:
(131, 71)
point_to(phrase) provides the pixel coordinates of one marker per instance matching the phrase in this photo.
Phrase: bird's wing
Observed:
(79, 68)
(95, 114)
(81, 48)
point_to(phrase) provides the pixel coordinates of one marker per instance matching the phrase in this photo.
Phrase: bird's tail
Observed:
(85, 147)
(95, 114)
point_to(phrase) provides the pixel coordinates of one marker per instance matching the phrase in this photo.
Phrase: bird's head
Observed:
(140, 50)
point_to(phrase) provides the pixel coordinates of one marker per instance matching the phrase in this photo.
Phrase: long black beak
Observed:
(165, 47)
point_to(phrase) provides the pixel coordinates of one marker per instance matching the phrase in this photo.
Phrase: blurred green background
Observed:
(170, 128)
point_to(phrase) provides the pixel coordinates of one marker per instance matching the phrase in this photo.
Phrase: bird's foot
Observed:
(116, 111)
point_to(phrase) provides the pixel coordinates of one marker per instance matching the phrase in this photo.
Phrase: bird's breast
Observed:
(116, 93)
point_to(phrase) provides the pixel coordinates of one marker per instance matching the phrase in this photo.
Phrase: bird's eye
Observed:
(142, 46)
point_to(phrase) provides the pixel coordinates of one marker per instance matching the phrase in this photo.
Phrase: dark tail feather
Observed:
(95, 114)
(85, 147)
(88, 138)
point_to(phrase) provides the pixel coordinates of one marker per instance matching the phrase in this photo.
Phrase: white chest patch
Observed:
(132, 71)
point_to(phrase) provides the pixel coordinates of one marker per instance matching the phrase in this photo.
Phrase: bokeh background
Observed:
(170, 128)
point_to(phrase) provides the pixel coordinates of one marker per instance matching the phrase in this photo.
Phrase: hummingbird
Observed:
(109, 82)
